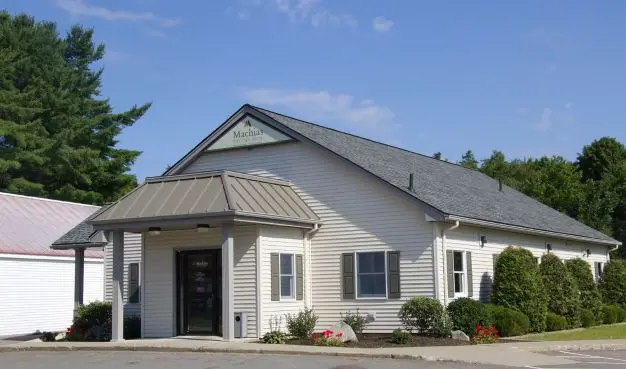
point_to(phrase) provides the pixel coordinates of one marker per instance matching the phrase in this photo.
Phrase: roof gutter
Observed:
(520, 229)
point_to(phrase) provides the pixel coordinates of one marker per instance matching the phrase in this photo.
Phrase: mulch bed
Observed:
(371, 340)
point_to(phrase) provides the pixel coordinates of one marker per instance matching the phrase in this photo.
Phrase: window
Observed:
(599, 270)
(287, 276)
(133, 283)
(371, 280)
(537, 260)
(460, 273)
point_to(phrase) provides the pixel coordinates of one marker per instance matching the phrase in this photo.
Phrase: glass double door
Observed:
(200, 292)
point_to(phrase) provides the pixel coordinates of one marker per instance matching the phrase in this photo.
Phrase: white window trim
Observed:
(356, 277)
(463, 273)
(292, 275)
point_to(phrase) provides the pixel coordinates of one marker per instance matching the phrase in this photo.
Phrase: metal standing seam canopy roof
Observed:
(205, 195)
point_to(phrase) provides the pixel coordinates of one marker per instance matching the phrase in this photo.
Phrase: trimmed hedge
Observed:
(425, 315)
(621, 315)
(613, 283)
(518, 285)
(588, 318)
(590, 298)
(562, 290)
(466, 314)
(508, 322)
(555, 322)
(610, 314)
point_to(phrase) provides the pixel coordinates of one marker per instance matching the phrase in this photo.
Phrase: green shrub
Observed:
(588, 318)
(609, 314)
(508, 322)
(132, 327)
(555, 322)
(613, 283)
(400, 337)
(302, 324)
(621, 315)
(356, 321)
(48, 336)
(424, 315)
(274, 338)
(89, 316)
(590, 297)
(518, 285)
(466, 313)
(562, 290)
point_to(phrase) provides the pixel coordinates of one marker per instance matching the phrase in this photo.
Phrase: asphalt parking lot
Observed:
(609, 359)
(163, 360)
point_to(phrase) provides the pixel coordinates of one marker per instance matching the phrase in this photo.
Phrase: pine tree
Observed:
(57, 134)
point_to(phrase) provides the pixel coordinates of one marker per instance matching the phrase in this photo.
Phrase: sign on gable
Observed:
(248, 132)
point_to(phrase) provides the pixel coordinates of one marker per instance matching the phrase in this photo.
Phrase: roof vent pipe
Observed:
(411, 186)
(500, 184)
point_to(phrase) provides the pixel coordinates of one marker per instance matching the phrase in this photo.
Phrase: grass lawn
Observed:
(604, 332)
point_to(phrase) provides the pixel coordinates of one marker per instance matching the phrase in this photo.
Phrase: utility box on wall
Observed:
(241, 325)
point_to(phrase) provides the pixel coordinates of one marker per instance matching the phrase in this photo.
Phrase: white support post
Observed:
(117, 332)
(228, 301)
(79, 277)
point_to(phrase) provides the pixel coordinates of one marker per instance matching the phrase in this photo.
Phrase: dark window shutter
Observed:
(347, 276)
(275, 272)
(393, 275)
(133, 283)
(597, 268)
(299, 278)
(495, 259)
(470, 285)
(450, 272)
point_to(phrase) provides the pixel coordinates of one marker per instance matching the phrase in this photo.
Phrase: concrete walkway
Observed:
(516, 354)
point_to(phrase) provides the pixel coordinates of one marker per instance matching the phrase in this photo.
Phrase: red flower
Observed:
(68, 331)
(339, 334)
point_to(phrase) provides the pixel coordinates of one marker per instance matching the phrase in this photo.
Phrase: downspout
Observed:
(445, 261)
(308, 295)
(613, 249)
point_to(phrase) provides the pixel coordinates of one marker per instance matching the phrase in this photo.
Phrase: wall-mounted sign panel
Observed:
(248, 132)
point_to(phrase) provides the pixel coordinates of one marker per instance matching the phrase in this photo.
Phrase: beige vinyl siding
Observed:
(277, 240)
(359, 213)
(160, 275)
(466, 238)
(132, 254)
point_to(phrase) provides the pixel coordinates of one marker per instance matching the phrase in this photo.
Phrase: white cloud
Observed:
(301, 11)
(382, 24)
(546, 120)
(82, 8)
(323, 105)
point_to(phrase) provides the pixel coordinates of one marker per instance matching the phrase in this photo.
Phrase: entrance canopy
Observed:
(210, 198)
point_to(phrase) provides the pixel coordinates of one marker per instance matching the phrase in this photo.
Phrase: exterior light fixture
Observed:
(588, 252)
(203, 228)
(483, 241)
(154, 231)
(548, 247)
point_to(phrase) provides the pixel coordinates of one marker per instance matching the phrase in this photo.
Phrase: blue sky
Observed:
(529, 78)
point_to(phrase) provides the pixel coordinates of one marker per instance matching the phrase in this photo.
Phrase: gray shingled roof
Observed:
(450, 188)
(81, 234)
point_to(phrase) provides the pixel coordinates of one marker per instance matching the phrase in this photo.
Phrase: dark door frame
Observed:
(181, 282)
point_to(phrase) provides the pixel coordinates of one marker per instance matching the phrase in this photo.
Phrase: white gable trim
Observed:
(240, 114)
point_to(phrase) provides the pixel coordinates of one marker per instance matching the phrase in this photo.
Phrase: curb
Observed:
(578, 347)
(219, 350)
